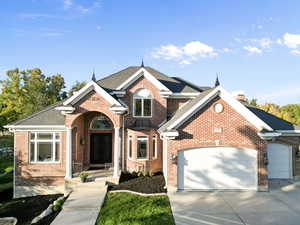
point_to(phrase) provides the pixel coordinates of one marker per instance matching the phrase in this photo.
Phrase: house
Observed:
(137, 119)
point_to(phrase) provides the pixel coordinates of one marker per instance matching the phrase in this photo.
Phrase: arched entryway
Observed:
(93, 141)
(101, 141)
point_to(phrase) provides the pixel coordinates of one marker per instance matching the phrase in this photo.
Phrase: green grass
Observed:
(131, 209)
(6, 164)
(6, 141)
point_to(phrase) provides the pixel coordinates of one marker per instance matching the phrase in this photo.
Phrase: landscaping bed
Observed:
(141, 182)
(26, 209)
(132, 209)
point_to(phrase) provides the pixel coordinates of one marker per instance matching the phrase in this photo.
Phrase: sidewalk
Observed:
(83, 205)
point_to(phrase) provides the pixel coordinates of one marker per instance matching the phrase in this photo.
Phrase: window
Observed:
(142, 103)
(142, 147)
(154, 147)
(101, 123)
(44, 147)
(129, 147)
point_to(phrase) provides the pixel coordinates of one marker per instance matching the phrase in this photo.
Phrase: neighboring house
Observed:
(141, 119)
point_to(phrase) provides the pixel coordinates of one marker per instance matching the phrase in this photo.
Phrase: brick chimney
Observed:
(241, 97)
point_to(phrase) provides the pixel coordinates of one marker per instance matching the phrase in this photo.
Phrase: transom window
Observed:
(142, 147)
(101, 123)
(142, 103)
(44, 147)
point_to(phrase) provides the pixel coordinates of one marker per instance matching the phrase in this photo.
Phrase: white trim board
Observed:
(239, 107)
(147, 75)
(98, 89)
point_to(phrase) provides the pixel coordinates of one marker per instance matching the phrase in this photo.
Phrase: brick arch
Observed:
(72, 120)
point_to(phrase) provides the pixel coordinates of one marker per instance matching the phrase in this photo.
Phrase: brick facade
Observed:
(27, 173)
(208, 128)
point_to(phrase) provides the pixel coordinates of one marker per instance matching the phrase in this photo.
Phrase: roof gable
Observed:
(142, 72)
(87, 89)
(175, 85)
(203, 99)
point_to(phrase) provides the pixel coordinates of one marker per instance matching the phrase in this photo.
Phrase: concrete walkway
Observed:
(277, 207)
(83, 205)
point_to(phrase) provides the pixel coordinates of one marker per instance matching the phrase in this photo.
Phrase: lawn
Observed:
(131, 209)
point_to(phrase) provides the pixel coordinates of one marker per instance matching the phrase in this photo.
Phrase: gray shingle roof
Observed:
(273, 121)
(46, 116)
(175, 85)
(184, 109)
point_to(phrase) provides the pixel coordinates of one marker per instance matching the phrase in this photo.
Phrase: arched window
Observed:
(142, 103)
(101, 123)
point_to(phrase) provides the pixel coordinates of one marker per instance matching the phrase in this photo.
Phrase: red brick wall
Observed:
(174, 104)
(199, 132)
(159, 110)
(37, 173)
(154, 164)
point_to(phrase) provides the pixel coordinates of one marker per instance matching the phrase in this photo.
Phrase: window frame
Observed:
(154, 147)
(142, 138)
(96, 118)
(52, 141)
(129, 143)
(142, 106)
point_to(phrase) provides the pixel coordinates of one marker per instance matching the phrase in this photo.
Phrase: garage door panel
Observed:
(217, 168)
(279, 157)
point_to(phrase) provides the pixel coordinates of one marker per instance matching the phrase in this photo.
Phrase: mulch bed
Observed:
(143, 184)
(25, 209)
(6, 195)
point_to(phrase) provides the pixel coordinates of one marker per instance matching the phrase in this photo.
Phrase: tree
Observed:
(27, 91)
(76, 87)
(253, 102)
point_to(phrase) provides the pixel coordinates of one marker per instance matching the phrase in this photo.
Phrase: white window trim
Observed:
(142, 138)
(154, 147)
(128, 144)
(142, 116)
(36, 141)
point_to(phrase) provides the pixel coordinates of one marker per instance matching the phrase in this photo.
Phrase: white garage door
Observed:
(280, 161)
(217, 168)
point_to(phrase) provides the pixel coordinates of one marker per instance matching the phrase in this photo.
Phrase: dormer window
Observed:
(142, 103)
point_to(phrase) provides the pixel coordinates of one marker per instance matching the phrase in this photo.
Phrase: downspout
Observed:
(14, 176)
(123, 141)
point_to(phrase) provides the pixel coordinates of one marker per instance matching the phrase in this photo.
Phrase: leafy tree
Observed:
(27, 91)
(253, 102)
(76, 87)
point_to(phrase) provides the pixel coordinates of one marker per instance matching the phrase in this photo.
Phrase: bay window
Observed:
(44, 147)
(142, 147)
(142, 103)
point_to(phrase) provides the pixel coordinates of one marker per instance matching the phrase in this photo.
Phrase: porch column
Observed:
(116, 151)
(69, 154)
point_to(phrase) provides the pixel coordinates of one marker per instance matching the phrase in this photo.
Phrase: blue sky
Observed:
(254, 45)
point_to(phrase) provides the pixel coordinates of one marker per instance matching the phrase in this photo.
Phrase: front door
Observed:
(101, 148)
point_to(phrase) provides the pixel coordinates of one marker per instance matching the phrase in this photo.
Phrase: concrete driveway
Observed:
(280, 206)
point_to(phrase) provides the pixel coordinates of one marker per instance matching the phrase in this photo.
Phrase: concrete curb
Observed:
(137, 193)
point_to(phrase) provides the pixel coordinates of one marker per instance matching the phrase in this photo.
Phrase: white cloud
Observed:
(67, 3)
(227, 50)
(185, 54)
(295, 52)
(291, 40)
(185, 62)
(285, 94)
(252, 50)
(71, 5)
(263, 42)
(98, 27)
(35, 16)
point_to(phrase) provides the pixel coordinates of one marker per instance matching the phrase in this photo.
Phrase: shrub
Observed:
(83, 175)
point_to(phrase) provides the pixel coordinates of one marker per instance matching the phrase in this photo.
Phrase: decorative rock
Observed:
(8, 221)
(45, 213)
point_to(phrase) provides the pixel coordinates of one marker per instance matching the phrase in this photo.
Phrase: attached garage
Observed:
(217, 168)
(280, 161)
